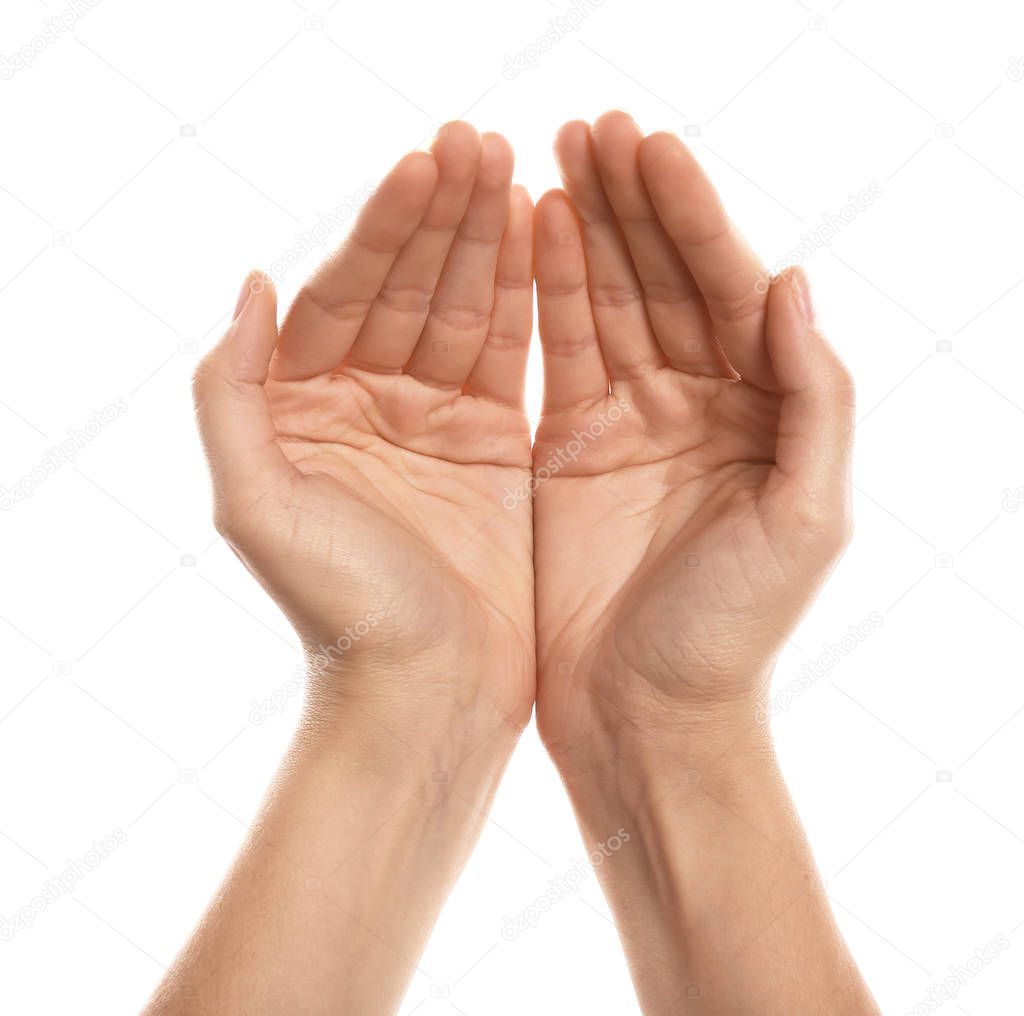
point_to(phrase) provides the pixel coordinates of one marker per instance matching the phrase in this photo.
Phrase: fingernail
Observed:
(243, 296)
(803, 295)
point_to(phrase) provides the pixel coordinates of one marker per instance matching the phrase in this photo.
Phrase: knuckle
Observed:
(670, 293)
(553, 290)
(512, 282)
(461, 319)
(615, 294)
(737, 308)
(353, 309)
(406, 299)
(570, 345)
(502, 341)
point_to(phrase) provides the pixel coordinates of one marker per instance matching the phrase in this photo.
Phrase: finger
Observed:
(817, 415)
(328, 312)
(460, 312)
(500, 369)
(627, 341)
(396, 319)
(574, 371)
(728, 272)
(675, 306)
(231, 405)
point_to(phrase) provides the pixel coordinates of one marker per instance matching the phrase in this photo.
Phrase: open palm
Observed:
(691, 455)
(361, 455)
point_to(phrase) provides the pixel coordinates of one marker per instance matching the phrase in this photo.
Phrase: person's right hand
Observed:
(360, 457)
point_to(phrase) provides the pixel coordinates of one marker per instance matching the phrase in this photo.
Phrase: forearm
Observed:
(331, 901)
(716, 895)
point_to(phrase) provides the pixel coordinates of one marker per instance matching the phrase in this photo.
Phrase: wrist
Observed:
(434, 756)
(645, 748)
(438, 711)
(710, 830)
(646, 772)
(360, 837)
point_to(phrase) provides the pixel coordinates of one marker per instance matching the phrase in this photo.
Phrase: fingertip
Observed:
(616, 142)
(665, 157)
(555, 219)
(242, 356)
(496, 160)
(801, 355)
(457, 132)
(577, 163)
(656, 146)
(416, 171)
(571, 129)
(800, 287)
(789, 294)
(262, 285)
(521, 196)
(554, 201)
(457, 147)
(615, 120)
(516, 257)
(252, 337)
(257, 291)
(496, 147)
(401, 197)
(520, 210)
(572, 141)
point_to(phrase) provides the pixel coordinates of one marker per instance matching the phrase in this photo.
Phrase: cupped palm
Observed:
(678, 549)
(361, 455)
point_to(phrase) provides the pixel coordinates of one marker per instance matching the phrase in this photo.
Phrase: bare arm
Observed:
(716, 894)
(705, 502)
(333, 897)
(360, 457)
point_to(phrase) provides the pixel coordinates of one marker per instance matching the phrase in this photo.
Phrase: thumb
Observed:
(816, 419)
(234, 416)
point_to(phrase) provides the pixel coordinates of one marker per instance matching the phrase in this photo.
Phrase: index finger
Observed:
(728, 273)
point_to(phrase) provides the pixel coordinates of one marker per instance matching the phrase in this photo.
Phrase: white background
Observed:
(798, 105)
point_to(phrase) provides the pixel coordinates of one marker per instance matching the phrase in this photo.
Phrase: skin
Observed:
(372, 467)
(674, 554)
(360, 455)
(720, 504)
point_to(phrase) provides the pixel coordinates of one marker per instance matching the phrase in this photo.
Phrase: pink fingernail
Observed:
(243, 297)
(803, 294)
